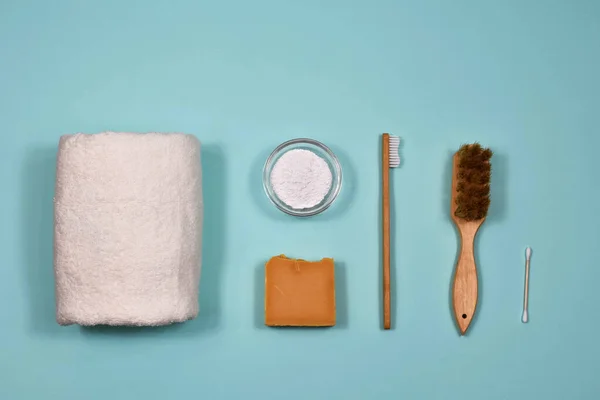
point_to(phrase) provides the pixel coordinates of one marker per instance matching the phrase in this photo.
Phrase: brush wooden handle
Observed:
(385, 174)
(464, 288)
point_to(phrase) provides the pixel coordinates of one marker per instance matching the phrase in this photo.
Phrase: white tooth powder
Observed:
(301, 179)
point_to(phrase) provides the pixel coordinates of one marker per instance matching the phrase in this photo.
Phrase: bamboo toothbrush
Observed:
(389, 159)
(471, 175)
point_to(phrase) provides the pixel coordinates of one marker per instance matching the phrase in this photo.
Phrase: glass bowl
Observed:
(320, 150)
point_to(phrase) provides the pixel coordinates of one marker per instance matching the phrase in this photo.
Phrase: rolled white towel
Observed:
(128, 228)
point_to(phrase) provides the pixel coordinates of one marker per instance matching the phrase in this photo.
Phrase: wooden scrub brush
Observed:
(471, 175)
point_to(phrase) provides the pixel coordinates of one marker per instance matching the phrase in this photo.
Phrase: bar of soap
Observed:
(299, 292)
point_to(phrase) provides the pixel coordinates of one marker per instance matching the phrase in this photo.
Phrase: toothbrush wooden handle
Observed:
(385, 173)
(465, 286)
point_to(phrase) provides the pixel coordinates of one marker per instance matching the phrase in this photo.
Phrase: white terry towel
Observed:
(128, 227)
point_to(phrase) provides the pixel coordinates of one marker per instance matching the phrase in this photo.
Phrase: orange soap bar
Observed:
(299, 292)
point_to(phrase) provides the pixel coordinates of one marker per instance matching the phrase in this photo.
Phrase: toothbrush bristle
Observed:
(394, 157)
(473, 182)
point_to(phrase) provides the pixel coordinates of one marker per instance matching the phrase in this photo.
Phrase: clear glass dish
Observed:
(322, 151)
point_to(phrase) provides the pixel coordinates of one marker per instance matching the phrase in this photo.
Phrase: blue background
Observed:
(518, 76)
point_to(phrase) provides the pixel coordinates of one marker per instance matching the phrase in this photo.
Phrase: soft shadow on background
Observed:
(446, 199)
(37, 208)
(447, 186)
(259, 295)
(341, 297)
(214, 175)
(339, 207)
(498, 189)
(496, 214)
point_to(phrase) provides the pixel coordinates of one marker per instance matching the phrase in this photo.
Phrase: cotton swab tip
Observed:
(528, 253)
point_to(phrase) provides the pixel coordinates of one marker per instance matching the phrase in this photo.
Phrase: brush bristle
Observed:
(473, 182)
(394, 157)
